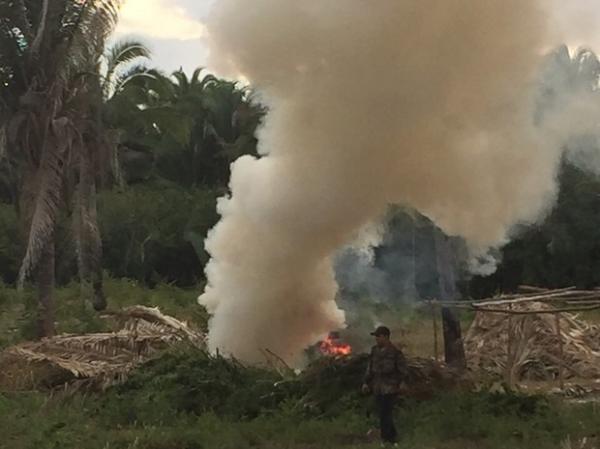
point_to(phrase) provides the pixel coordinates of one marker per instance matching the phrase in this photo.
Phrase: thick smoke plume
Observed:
(425, 103)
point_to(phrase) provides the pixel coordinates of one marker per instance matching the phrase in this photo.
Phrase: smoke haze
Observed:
(423, 103)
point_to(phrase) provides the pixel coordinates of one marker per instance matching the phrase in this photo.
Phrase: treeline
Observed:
(562, 251)
(110, 166)
(95, 147)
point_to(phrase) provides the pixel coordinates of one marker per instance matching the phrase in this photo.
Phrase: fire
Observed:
(333, 347)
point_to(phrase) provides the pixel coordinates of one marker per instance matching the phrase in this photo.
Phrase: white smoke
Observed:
(484, 263)
(367, 239)
(569, 104)
(354, 264)
(423, 103)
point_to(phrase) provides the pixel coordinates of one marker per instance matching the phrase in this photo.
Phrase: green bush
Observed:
(155, 233)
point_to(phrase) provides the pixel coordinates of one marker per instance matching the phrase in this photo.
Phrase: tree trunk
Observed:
(454, 350)
(446, 267)
(45, 285)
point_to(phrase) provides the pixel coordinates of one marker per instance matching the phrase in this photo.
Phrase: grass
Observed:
(75, 315)
(188, 401)
(481, 421)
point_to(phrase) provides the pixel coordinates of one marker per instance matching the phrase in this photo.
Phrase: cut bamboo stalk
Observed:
(561, 378)
(509, 353)
(527, 312)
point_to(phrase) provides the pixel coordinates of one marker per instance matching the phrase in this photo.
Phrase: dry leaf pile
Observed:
(96, 360)
(527, 346)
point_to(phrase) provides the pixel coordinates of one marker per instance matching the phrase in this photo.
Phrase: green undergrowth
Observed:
(190, 400)
(480, 421)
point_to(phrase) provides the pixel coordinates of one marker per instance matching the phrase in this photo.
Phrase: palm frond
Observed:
(118, 60)
(87, 24)
(182, 82)
(121, 80)
(126, 51)
(99, 360)
(41, 29)
(22, 20)
(46, 195)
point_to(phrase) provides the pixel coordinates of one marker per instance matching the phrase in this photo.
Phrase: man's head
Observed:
(382, 335)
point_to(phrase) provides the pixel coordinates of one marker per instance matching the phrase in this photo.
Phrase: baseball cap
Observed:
(381, 330)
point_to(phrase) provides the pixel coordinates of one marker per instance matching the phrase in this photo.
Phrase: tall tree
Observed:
(202, 124)
(51, 132)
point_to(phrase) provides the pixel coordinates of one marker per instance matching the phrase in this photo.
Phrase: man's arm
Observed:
(369, 372)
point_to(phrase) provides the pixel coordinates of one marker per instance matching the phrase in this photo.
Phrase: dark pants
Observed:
(385, 410)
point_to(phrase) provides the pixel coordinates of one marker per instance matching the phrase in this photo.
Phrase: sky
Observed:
(175, 31)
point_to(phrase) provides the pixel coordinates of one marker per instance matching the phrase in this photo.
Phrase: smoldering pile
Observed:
(532, 339)
(94, 360)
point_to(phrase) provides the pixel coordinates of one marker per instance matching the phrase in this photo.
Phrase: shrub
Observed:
(156, 233)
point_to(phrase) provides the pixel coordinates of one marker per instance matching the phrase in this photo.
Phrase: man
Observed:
(385, 371)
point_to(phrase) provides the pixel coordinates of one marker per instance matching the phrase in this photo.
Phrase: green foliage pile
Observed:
(192, 381)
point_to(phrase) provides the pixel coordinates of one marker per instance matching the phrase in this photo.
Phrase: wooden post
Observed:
(510, 360)
(560, 352)
(435, 331)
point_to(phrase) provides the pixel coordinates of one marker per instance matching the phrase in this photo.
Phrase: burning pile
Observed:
(527, 346)
(97, 360)
(333, 346)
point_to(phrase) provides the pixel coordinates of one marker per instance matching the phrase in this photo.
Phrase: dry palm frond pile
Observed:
(96, 360)
(524, 344)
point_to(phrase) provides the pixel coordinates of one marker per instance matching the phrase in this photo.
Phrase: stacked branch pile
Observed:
(535, 336)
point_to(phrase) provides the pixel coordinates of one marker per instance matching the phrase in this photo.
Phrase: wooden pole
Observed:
(435, 331)
(560, 352)
(527, 312)
(509, 352)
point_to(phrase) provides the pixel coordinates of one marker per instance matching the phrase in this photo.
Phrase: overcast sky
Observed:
(174, 29)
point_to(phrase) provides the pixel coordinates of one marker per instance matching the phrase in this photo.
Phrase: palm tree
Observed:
(124, 77)
(206, 125)
(564, 76)
(51, 132)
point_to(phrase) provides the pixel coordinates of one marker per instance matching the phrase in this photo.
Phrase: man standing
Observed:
(385, 371)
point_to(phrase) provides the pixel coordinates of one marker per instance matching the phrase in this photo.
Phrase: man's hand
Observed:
(366, 389)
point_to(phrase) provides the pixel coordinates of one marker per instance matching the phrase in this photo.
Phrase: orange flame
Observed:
(334, 348)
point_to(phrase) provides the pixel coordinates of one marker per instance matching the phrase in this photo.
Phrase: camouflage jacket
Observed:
(386, 370)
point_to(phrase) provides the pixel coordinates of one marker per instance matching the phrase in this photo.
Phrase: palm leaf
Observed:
(118, 60)
(41, 29)
(122, 79)
(48, 181)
